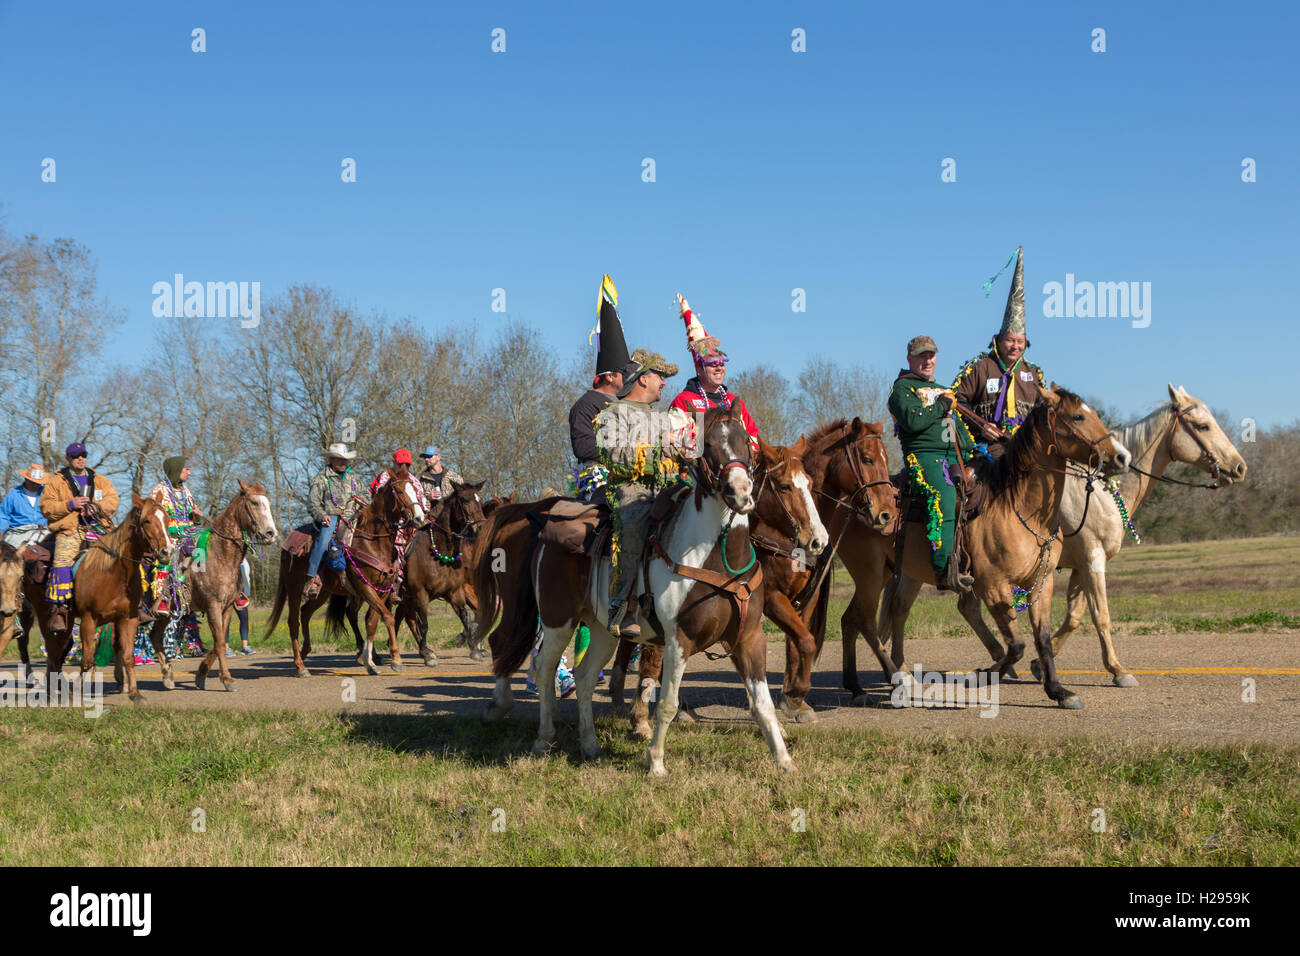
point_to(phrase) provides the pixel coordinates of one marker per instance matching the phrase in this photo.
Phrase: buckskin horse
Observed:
(1014, 542)
(214, 574)
(370, 571)
(699, 596)
(107, 588)
(1181, 430)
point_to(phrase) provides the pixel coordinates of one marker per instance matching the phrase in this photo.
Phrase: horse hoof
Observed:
(657, 770)
(860, 699)
(201, 682)
(477, 654)
(786, 765)
(361, 660)
(137, 698)
(397, 667)
(540, 747)
(430, 659)
(372, 670)
(595, 753)
(641, 730)
(1037, 670)
(1072, 702)
(1012, 675)
(1124, 680)
(303, 672)
(230, 686)
(493, 714)
(684, 716)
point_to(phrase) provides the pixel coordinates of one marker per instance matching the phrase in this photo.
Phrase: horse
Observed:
(11, 596)
(370, 572)
(215, 578)
(784, 515)
(107, 588)
(699, 597)
(1014, 543)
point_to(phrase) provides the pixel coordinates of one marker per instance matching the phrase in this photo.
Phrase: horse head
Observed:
(11, 581)
(1079, 434)
(1198, 440)
(785, 495)
(850, 460)
(256, 520)
(468, 505)
(725, 463)
(151, 527)
(404, 500)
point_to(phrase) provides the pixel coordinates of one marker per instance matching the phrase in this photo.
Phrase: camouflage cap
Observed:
(921, 343)
(643, 360)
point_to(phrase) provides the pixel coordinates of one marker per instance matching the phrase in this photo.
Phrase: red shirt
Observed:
(691, 400)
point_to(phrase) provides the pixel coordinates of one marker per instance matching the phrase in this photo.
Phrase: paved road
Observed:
(1191, 689)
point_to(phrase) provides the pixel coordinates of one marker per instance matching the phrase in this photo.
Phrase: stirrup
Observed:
(313, 588)
(617, 611)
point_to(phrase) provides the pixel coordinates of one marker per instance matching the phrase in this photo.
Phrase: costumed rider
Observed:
(590, 476)
(644, 450)
(708, 389)
(1001, 386)
(182, 514)
(21, 521)
(928, 432)
(402, 536)
(335, 495)
(79, 504)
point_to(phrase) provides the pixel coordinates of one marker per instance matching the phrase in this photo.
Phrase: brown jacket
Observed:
(972, 387)
(59, 491)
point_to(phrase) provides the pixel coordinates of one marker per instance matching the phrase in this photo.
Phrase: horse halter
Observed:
(1215, 471)
(1074, 433)
(758, 495)
(854, 456)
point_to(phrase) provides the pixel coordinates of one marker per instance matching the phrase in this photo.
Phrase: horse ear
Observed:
(242, 487)
(876, 428)
(799, 448)
(768, 453)
(478, 486)
(859, 426)
(1050, 396)
(137, 500)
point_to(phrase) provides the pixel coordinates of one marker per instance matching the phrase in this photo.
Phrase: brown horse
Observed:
(700, 596)
(214, 577)
(1014, 543)
(370, 572)
(11, 596)
(107, 588)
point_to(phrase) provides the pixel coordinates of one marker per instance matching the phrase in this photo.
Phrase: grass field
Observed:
(310, 787)
(298, 788)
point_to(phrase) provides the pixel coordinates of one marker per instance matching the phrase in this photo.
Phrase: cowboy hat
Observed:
(36, 475)
(339, 450)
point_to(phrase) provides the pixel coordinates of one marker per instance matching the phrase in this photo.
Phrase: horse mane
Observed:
(1139, 436)
(8, 552)
(1021, 455)
(818, 450)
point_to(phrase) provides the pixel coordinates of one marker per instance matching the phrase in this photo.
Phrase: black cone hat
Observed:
(611, 347)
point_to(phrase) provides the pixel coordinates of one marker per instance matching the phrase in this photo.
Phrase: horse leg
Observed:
(160, 651)
(1006, 622)
(1040, 620)
(468, 631)
(750, 658)
(394, 654)
(800, 651)
(419, 623)
(368, 651)
(618, 673)
(218, 626)
(371, 615)
(502, 701)
(598, 652)
(1099, 607)
(861, 615)
(674, 665)
(968, 604)
(125, 631)
(851, 625)
(554, 640)
(648, 676)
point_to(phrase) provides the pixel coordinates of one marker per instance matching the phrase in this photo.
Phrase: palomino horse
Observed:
(215, 578)
(784, 516)
(700, 597)
(107, 588)
(370, 573)
(1014, 543)
(440, 567)
(11, 597)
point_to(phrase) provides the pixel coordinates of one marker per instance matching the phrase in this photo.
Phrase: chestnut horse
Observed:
(1014, 543)
(370, 572)
(214, 577)
(699, 596)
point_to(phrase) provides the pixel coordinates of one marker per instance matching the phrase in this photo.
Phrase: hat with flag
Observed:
(1013, 318)
(705, 348)
(611, 347)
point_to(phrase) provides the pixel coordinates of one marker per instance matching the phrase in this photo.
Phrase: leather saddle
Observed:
(574, 526)
(298, 542)
(912, 507)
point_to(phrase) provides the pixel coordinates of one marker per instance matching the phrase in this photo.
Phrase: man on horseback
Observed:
(707, 389)
(182, 514)
(436, 482)
(79, 505)
(335, 494)
(1001, 386)
(21, 521)
(611, 358)
(644, 451)
(931, 437)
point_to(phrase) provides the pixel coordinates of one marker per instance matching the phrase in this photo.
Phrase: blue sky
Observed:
(775, 170)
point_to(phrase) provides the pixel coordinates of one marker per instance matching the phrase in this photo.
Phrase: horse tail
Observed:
(506, 601)
(817, 625)
(281, 595)
(336, 615)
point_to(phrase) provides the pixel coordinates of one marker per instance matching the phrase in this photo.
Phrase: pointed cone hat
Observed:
(1013, 319)
(611, 347)
(704, 347)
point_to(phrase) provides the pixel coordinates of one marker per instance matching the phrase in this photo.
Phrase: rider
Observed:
(611, 358)
(644, 450)
(927, 431)
(182, 513)
(706, 390)
(403, 534)
(79, 505)
(436, 481)
(21, 521)
(336, 493)
(1001, 386)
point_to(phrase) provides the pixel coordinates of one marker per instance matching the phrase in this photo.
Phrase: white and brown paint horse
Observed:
(708, 538)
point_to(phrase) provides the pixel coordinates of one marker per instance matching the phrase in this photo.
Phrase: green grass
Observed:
(311, 788)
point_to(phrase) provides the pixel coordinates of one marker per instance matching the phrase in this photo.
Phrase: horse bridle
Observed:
(856, 465)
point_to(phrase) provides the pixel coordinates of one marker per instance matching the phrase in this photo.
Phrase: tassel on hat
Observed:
(611, 347)
(704, 347)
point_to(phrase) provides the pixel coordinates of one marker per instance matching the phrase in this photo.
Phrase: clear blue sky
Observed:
(775, 170)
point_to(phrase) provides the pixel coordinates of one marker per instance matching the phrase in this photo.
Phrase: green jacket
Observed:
(922, 427)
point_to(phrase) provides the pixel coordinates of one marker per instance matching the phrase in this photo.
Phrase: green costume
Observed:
(926, 432)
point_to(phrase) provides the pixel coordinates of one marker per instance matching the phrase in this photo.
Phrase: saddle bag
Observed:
(571, 525)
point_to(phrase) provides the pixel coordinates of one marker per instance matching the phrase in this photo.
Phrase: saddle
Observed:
(972, 498)
(574, 526)
(36, 562)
